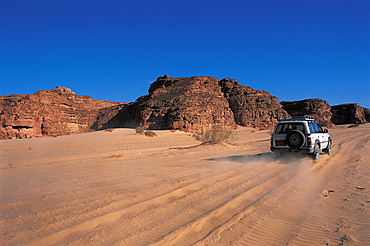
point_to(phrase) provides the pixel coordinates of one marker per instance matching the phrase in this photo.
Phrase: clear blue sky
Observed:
(113, 49)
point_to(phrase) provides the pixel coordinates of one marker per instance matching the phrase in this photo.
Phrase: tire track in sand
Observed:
(224, 215)
(196, 205)
(313, 220)
(96, 219)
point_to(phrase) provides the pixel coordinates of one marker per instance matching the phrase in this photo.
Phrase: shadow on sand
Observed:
(263, 157)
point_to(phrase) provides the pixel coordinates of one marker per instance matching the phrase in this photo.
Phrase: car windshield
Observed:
(284, 128)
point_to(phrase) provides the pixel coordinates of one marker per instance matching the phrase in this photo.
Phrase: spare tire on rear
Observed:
(295, 139)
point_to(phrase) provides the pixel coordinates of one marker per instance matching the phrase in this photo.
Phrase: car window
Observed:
(311, 126)
(315, 127)
(320, 128)
(284, 128)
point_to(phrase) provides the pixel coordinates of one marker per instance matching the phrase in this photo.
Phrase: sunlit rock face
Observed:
(190, 104)
(197, 103)
(47, 113)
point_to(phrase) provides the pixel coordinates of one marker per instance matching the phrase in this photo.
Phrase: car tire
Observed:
(327, 150)
(295, 139)
(316, 152)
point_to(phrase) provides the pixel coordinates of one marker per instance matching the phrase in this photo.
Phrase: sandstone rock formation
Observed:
(46, 113)
(190, 104)
(196, 103)
(348, 114)
(251, 108)
(109, 117)
(320, 109)
(367, 114)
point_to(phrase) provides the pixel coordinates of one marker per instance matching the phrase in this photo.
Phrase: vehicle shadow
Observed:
(262, 157)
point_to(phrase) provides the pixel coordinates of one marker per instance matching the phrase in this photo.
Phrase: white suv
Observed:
(300, 134)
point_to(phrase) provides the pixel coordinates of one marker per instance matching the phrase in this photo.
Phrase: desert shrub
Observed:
(150, 134)
(140, 130)
(356, 124)
(117, 156)
(215, 136)
(109, 130)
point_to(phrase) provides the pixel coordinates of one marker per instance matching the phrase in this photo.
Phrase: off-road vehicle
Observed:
(300, 134)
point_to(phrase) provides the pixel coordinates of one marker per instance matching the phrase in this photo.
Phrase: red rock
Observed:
(189, 104)
(320, 109)
(197, 103)
(348, 114)
(109, 117)
(46, 113)
(367, 114)
(252, 108)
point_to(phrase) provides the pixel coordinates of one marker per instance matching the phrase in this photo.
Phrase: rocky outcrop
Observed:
(348, 114)
(47, 113)
(318, 108)
(189, 104)
(251, 108)
(109, 117)
(196, 103)
(367, 114)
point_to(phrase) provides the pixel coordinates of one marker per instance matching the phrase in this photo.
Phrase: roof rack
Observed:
(295, 118)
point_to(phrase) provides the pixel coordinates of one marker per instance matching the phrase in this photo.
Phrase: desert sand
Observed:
(118, 188)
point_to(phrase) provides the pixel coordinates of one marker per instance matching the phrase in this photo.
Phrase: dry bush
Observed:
(117, 156)
(109, 130)
(356, 124)
(140, 130)
(215, 136)
(150, 134)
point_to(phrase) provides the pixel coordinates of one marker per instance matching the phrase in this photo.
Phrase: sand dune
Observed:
(118, 188)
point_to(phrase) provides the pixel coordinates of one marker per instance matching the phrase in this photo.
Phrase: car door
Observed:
(323, 137)
(316, 134)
